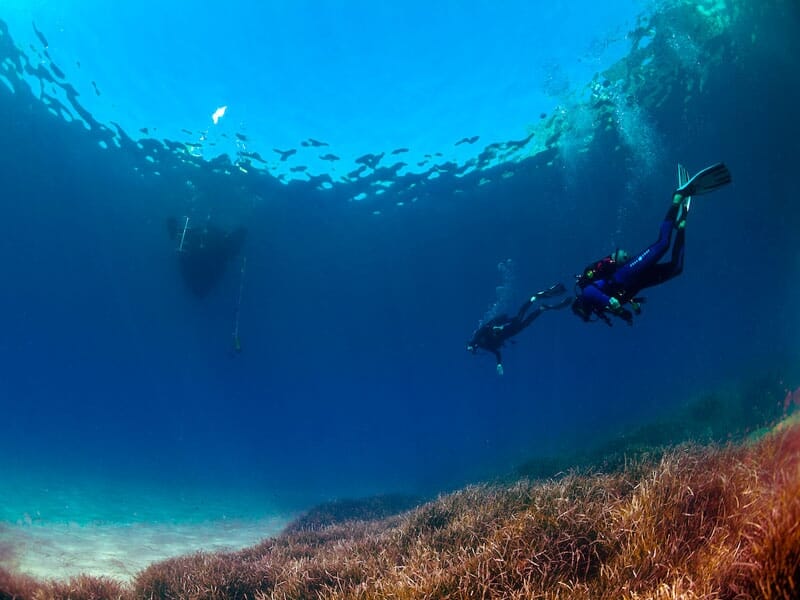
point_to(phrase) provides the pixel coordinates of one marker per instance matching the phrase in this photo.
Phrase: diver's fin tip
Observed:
(683, 176)
(706, 181)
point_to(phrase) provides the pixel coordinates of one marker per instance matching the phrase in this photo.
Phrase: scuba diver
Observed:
(204, 252)
(492, 335)
(607, 285)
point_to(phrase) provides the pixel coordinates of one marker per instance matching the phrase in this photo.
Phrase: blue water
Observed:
(360, 75)
(359, 295)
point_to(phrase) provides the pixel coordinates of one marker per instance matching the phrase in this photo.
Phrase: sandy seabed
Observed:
(120, 550)
(55, 526)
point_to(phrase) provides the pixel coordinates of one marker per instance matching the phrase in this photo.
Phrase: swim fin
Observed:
(554, 290)
(707, 180)
(683, 179)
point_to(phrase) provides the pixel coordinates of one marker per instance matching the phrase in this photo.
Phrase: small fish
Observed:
(313, 143)
(144, 130)
(329, 157)
(469, 140)
(285, 153)
(40, 35)
(299, 169)
(399, 150)
(96, 91)
(241, 137)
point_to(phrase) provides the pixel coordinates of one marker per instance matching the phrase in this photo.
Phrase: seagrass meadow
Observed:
(698, 522)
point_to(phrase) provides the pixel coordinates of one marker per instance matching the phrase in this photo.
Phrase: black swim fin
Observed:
(707, 180)
(554, 290)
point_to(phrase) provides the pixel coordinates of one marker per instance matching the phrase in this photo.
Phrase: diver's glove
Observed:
(499, 369)
(615, 307)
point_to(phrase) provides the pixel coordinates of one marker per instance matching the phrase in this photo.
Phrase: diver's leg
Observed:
(499, 362)
(543, 307)
(647, 259)
(554, 290)
(532, 317)
(524, 308)
(665, 271)
(676, 262)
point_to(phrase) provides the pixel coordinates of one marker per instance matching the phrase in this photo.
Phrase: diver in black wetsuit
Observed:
(606, 286)
(204, 251)
(492, 335)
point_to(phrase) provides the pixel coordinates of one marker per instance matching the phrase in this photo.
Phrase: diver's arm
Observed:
(600, 304)
(499, 362)
(595, 298)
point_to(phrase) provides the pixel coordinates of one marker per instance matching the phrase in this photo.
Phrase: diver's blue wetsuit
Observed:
(640, 272)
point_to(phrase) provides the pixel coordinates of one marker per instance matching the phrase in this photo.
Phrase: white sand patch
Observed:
(56, 524)
(61, 551)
